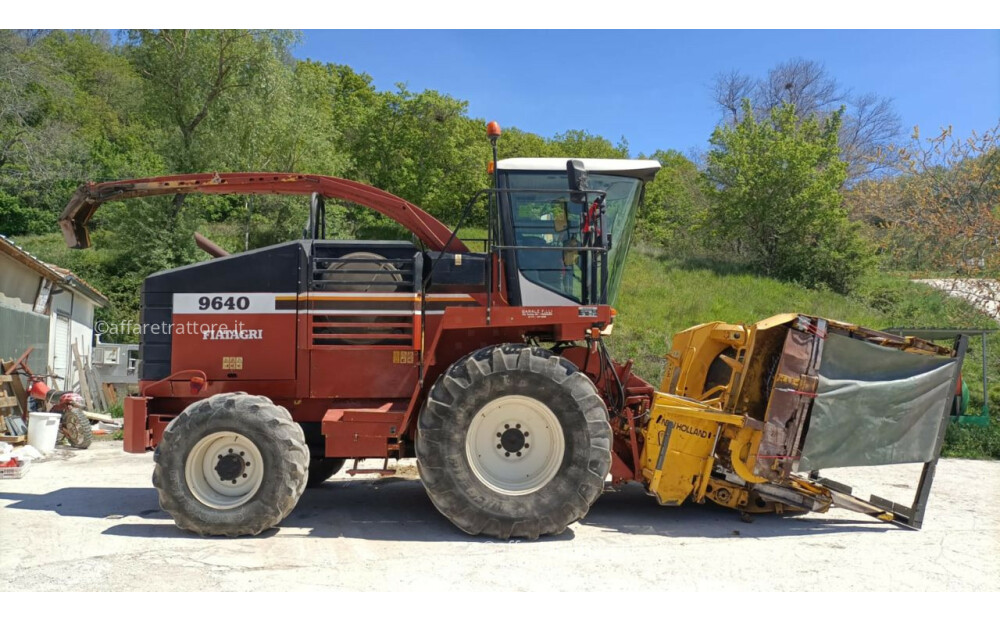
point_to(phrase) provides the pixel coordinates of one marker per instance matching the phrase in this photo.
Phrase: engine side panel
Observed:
(241, 336)
(275, 269)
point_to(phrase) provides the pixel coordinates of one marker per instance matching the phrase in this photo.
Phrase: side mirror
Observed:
(577, 181)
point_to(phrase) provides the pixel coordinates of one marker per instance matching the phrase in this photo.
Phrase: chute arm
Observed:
(90, 196)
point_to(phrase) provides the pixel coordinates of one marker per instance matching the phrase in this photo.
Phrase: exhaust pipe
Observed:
(209, 247)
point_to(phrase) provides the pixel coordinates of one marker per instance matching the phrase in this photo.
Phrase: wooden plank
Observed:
(22, 395)
(82, 376)
(9, 383)
(100, 417)
(9, 401)
(109, 394)
(95, 389)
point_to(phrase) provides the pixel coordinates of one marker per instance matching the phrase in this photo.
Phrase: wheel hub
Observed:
(512, 440)
(230, 466)
(224, 470)
(515, 445)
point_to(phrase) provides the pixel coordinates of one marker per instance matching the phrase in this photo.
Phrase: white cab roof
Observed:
(644, 169)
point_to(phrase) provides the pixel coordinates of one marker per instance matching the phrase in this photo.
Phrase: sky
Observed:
(653, 87)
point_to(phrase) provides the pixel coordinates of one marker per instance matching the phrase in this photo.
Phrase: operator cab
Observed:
(564, 226)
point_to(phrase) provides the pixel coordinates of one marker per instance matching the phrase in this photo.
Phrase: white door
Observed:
(60, 354)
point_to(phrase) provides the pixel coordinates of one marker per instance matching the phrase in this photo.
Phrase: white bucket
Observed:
(43, 430)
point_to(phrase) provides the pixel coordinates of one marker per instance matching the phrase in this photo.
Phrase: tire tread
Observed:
(183, 432)
(435, 425)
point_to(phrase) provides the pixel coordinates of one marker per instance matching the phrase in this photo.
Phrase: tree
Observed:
(194, 77)
(868, 125)
(39, 144)
(940, 210)
(578, 143)
(675, 206)
(66, 115)
(775, 196)
(422, 147)
(217, 96)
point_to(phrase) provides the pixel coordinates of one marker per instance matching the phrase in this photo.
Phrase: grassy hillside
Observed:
(661, 296)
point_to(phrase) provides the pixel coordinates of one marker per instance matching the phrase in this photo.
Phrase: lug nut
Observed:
(518, 426)
(506, 425)
(527, 445)
(526, 433)
(499, 435)
(519, 454)
(506, 453)
(499, 446)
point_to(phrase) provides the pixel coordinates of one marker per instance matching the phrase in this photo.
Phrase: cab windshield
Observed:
(549, 219)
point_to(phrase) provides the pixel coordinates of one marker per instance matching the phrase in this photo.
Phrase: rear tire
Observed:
(75, 427)
(322, 469)
(513, 441)
(231, 465)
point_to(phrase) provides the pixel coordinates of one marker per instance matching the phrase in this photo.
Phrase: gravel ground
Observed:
(90, 521)
(983, 294)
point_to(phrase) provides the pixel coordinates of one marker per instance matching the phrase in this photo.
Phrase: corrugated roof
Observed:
(52, 272)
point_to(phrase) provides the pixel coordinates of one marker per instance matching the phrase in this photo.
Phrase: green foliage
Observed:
(939, 211)
(973, 442)
(75, 107)
(674, 211)
(774, 186)
(199, 82)
(67, 114)
(578, 143)
(420, 146)
(19, 219)
(572, 143)
(662, 294)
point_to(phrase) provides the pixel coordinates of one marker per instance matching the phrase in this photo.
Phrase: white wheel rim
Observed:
(224, 470)
(499, 429)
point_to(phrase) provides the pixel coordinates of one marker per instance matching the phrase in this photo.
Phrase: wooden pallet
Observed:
(13, 404)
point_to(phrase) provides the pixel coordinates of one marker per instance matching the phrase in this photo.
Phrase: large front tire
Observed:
(513, 441)
(231, 465)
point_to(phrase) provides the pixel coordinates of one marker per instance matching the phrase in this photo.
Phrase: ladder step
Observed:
(383, 472)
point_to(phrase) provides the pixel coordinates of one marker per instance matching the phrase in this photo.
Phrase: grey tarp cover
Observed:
(875, 406)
